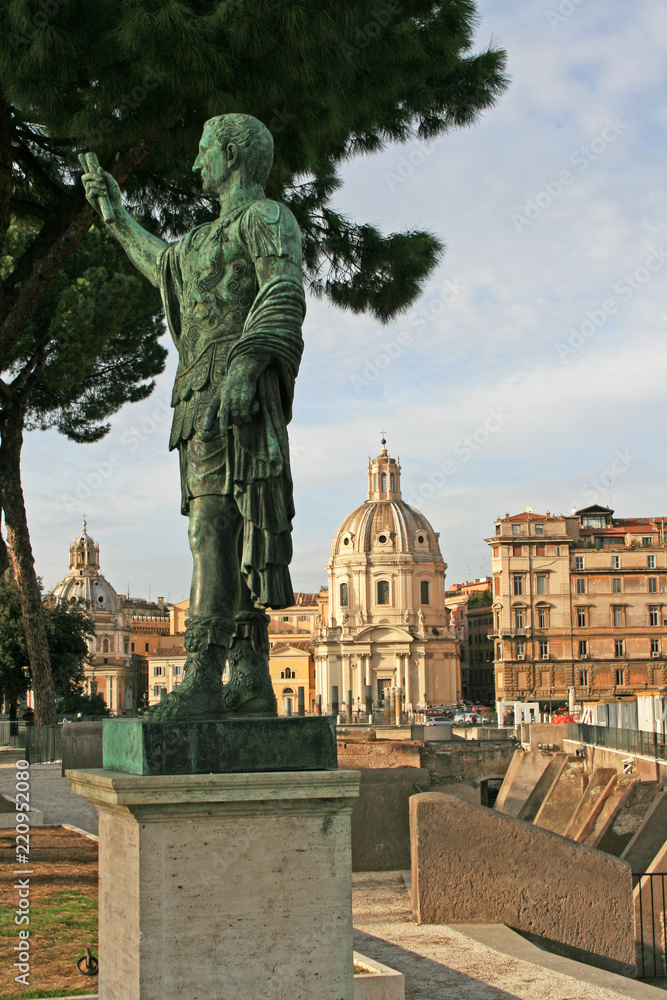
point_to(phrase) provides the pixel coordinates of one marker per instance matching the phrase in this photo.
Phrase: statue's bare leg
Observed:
(213, 532)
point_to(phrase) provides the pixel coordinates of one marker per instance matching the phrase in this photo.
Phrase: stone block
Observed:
(577, 899)
(382, 983)
(224, 886)
(219, 746)
(564, 796)
(381, 818)
(522, 775)
(82, 745)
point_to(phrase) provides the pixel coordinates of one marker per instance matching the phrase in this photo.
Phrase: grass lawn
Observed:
(63, 913)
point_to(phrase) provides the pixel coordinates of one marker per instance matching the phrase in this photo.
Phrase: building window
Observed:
(497, 529)
(615, 562)
(618, 677)
(284, 618)
(579, 562)
(583, 680)
(383, 592)
(424, 592)
(618, 647)
(105, 645)
(581, 585)
(499, 650)
(544, 649)
(583, 649)
(496, 585)
(650, 562)
(516, 529)
(518, 621)
(146, 647)
(618, 617)
(520, 649)
(581, 617)
(343, 595)
(647, 540)
(496, 551)
(131, 647)
(616, 585)
(517, 550)
(518, 586)
(653, 616)
(391, 481)
(541, 583)
(384, 482)
(177, 670)
(539, 529)
(158, 671)
(542, 618)
(303, 618)
(655, 647)
(652, 585)
(539, 550)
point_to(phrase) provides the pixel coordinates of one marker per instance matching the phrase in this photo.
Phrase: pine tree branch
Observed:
(36, 174)
(29, 375)
(58, 239)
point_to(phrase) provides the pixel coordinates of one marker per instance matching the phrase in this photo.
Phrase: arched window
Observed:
(384, 482)
(343, 595)
(391, 481)
(375, 483)
(425, 592)
(383, 592)
(105, 646)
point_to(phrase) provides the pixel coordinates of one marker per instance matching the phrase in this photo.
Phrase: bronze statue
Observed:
(234, 301)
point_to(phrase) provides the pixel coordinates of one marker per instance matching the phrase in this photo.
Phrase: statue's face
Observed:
(213, 162)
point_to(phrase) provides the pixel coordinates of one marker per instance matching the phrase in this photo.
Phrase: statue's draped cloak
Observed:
(215, 314)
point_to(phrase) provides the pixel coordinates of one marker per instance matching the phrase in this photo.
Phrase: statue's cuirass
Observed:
(218, 286)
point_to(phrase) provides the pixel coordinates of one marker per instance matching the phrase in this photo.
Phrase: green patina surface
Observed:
(219, 746)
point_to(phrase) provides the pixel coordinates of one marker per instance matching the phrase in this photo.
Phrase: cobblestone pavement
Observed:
(52, 794)
(439, 963)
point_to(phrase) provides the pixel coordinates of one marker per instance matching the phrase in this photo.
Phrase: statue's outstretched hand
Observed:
(99, 184)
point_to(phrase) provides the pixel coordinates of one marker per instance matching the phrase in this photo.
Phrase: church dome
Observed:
(385, 523)
(386, 565)
(84, 582)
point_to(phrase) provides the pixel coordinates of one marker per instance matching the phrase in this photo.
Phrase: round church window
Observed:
(382, 539)
(420, 539)
(346, 541)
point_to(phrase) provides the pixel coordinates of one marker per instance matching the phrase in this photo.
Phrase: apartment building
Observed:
(579, 606)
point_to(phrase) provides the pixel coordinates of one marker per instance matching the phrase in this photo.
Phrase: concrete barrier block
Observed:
(535, 881)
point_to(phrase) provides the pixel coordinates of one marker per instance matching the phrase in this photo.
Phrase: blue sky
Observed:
(532, 370)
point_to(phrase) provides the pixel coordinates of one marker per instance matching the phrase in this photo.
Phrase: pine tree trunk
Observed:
(13, 503)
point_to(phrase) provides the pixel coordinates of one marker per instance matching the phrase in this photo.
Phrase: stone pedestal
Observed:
(224, 886)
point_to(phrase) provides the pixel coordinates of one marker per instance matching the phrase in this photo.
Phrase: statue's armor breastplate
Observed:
(219, 287)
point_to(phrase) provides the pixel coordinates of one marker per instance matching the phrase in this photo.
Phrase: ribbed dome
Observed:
(84, 581)
(389, 526)
(94, 591)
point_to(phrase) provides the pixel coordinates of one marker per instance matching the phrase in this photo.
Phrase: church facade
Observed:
(386, 625)
(111, 669)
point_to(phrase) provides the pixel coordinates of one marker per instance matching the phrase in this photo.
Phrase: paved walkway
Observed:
(441, 963)
(52, 793)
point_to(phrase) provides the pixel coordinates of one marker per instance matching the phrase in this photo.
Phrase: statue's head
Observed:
(234, 142)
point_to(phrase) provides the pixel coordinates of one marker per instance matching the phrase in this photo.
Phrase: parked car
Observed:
(460, 718)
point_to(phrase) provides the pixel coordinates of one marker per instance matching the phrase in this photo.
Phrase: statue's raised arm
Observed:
(103, 193)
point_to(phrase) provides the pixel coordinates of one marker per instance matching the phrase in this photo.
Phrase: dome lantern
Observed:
(384, 476)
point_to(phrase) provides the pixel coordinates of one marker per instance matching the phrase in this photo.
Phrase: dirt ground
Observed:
(63, 911)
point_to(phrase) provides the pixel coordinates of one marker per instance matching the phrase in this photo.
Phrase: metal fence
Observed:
(650, 927)
(44, 744)
(12, 734)
(632, 741)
